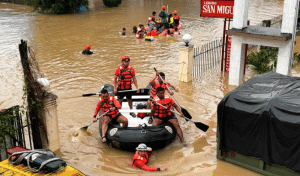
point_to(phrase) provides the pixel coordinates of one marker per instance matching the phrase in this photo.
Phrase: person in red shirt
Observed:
(161, 114)
(125, 76)
(109, 103)
(141, 157)
(176, 19)
(156, 82)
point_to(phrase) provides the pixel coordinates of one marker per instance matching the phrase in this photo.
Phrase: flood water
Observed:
(58, 40)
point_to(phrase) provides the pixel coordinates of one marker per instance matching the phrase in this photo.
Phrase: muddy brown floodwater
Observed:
(58, 40)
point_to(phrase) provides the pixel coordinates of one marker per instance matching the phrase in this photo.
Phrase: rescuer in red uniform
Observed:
(141, 158)
(161, 114)
(109, 103)
(125, 76)
(156, 82)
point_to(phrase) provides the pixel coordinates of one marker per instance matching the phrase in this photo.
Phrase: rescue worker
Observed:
(176, 19)
(141, 158)
(109, 103)
(163, 16)
(125, 76)
(156, 82)
(171, 21)
(87, 50)
(163, 115)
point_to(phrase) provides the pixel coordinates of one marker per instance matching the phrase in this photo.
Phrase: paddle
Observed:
(183, 110)
(90, 94)
(86, 127)
(199, 125)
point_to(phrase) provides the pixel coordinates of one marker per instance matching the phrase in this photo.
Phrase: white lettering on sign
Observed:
(209, 9)
(225, 9)
(210, 3)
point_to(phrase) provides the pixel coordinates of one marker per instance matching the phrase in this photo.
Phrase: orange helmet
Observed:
(163, 7)
(175, 12)
(125, 57)
(88, 47)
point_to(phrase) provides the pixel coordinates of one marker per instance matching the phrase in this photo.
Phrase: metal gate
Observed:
(13, 132)
(208, 58)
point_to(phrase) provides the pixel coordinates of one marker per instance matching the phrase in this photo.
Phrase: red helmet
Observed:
(148, 33)
(163, 7)
(124, 57)
(88, 47)
(175, 12)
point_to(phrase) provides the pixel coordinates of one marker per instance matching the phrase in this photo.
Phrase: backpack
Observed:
(162, 14)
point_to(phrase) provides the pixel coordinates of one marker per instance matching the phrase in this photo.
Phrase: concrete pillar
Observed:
(284, 61)
(240, 14)
(289, 16)
(186, 57)
(289, 23)
(51, 120)
(237, 58)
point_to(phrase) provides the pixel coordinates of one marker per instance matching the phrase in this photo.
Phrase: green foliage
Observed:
(58, 6)
(7, 127)
(112, 3)
(261, 60)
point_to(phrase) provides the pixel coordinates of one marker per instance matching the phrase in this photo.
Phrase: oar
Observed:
(199, 125)
(86, 127)
(183, 110)
(90, 94)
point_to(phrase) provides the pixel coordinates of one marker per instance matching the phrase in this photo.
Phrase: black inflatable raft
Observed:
(130, 137)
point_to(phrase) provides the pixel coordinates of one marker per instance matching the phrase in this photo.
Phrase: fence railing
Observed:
(207, 58)
(12, 131)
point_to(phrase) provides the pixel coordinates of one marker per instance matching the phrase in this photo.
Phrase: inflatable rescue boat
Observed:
(138, 130)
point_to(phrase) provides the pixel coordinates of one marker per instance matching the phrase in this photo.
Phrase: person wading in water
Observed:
(141, 158)
(125, 76)
(109, 103)
(87, 50)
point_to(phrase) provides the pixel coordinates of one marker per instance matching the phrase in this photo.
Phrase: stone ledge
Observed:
(260, 32)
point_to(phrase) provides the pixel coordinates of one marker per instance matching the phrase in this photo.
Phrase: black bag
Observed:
(162, 14)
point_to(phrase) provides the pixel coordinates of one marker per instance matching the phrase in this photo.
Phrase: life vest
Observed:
(153, 33)
(105, 106)
(125, 78)
(176, 20)
(138, 157)
(171, 21)
(160, 111)
(155, 85)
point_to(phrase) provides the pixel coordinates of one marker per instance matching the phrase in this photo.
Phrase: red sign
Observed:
(228, 50)
(217, 8)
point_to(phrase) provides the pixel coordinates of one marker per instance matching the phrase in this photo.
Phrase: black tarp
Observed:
(261, 118)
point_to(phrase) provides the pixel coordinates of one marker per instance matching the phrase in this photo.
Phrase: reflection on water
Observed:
(58, 41)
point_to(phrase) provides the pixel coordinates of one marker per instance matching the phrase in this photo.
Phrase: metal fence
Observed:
(208, 58)
(13, 132)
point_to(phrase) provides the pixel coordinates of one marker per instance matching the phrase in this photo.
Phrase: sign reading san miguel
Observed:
(217, 8)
